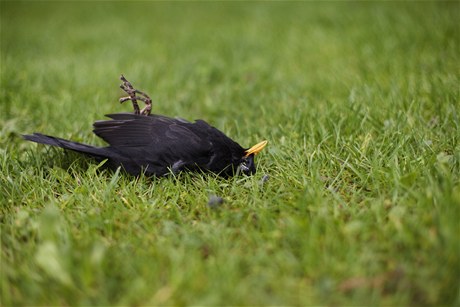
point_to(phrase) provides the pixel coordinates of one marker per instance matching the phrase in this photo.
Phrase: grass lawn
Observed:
(360, 105)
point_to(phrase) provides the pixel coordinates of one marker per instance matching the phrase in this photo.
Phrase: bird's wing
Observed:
(158, 139)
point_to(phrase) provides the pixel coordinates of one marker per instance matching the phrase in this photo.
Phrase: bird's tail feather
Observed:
(96, 152)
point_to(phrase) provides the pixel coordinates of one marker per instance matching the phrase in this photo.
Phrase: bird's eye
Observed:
(247, 166)
(244, 165)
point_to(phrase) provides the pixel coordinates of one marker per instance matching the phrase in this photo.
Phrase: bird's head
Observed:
(247, 165)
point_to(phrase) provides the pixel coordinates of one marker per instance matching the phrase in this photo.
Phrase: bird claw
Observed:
(131, 91)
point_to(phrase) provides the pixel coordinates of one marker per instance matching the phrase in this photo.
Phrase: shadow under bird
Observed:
(156, 145)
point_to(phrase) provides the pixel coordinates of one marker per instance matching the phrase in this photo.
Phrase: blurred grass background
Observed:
(358, 100)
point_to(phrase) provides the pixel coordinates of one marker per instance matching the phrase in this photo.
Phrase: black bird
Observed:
(157, 145)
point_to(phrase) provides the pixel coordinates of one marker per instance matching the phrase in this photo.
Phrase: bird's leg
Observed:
(128, 88)
(131, 91)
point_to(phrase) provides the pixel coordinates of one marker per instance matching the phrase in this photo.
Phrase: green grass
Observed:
(359, 102)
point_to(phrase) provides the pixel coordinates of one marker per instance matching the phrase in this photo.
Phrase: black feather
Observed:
(156, 145)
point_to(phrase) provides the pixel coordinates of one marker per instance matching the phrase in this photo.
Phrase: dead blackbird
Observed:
(157, 145)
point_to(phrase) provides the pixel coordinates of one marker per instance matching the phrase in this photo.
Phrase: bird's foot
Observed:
(131, 91)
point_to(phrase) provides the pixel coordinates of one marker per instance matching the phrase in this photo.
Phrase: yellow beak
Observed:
(256, 148)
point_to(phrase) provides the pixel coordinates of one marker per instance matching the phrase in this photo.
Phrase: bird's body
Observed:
(157, 145)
